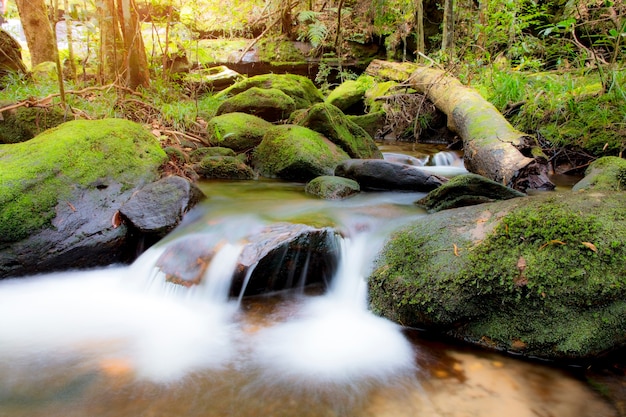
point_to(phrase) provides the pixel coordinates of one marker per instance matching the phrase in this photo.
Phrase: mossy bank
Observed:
(543, 276)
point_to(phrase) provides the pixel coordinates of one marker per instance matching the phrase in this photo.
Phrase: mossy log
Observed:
(492, 147)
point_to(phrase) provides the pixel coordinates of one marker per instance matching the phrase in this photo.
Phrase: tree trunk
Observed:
(447, 41)
(492, 147)
(419, 28)
(37, 29)
(136, 60)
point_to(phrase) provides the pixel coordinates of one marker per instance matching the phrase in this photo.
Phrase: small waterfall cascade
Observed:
(445, 158)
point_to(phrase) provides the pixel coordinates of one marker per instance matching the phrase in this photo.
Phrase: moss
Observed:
(545, 276)
(270, 104)
(37, 174)
(238, 131)
(296, 153)
(224, 167)
(279, 50)
(333, 124)
(607, 173)
(350, 93)
(25, 123)
(376, 91)
(332, 188)
(198, 154)
(299, 88)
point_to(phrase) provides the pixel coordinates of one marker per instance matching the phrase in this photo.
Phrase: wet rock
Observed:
(62, 191)
(159, 207)
(224, 167)
(333, 124)
(332, 188)
(237, 131)
(286, 255)
(269, 104)
(296, 153)
(277, 257)
(605, 174)
(375, 174)
(466, 190)
(539, 276)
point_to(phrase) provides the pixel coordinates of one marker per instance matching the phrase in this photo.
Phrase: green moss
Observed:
(547, 279)
(24, 123)
(279, 51)
(238, 131)
(37, 174)
(607, 173)
(350, 93)
(224, 167)
(296, 153)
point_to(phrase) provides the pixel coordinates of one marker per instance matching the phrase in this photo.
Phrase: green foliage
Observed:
(316, 31)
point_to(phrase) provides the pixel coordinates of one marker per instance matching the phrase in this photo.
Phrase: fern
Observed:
(308, 16)
(317, 33)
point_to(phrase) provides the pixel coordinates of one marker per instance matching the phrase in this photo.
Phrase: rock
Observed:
(296, 153)
(332, 123)
(238, 131)
(605, 174)
(540, 276)
(24, 123)
(159, 207)
(61, 191)
(270, 104)
(300, 89)
(376, 174)
(348, 96)
(199, 154)
(466, 190)
(332, 188)
(277, 257)
(208, 80)
(372, 122)
(224, 167)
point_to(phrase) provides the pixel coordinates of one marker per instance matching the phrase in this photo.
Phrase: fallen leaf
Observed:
(590, 246)
(71, 206)
(552, 242)
(456, 249)
(521, 263)
(116, 221)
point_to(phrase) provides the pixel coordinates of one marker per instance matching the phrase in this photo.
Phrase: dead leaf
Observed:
(116, 221)
(521, 264)
(71, 206)
(590, 246)
(456, 249)
(552, 242)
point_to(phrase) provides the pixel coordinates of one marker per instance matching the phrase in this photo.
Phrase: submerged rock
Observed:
(296, 153)
(466, 190)
(540, 276)
(332, 188)
(376, 174)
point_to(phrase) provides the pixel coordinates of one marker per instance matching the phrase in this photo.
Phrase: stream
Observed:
(122, 342)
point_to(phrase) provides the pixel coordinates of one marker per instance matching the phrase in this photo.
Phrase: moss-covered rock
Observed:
(36, 175)
(224, 167)
(372, 123)
(299, 88)
(349, 95)
(542, 275)
(296, 153)
(199, 154)
(237, 131)
(24, 123)
(372, 95)
(605, 174)
(332, 188)
(270, 104)
(466, 190)
(332, 123)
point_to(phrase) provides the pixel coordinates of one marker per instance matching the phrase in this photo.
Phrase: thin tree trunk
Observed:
(419, 28)
(447, 43)
(37, 29)
(492, 147)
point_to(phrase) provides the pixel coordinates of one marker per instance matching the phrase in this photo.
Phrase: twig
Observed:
(185, 135)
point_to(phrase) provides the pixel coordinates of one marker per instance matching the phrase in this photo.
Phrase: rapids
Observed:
(122, 342)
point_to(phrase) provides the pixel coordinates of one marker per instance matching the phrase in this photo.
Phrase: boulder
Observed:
(466, 190)
(270, 104)
(224, 167)
(540, 276)
(349, 95)
(157, 208)
(24, 123)
(332, 188)
(372, 122)
(301, 89)
(277, 257)
(60, 194)
(605, 174)
(11, 55)
(199, 154)
(296, 153)
(377, 174)
(238, 131)
(208, 80)
(332, 123)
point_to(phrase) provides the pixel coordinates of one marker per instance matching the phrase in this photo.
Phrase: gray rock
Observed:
(375, 174)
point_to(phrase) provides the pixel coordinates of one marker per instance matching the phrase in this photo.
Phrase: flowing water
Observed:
(122, 342)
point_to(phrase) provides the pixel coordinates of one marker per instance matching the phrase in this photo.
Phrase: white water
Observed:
(161, 331)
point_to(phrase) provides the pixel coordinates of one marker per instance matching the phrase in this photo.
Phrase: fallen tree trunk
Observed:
(492, 147)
